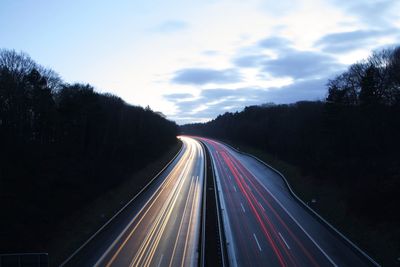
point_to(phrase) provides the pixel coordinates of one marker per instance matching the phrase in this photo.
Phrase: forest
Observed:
(349, 140)
(63, 145)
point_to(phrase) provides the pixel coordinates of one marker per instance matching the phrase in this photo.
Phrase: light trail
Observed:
(170, 216)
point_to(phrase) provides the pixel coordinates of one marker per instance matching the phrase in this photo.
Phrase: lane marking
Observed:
(241, 204)
(258, 244)
(196, 189)
(284, 241)
(234, 187)
(279, 218)
(261, 205)
(298, 224)
(180, 225)
(161, 258)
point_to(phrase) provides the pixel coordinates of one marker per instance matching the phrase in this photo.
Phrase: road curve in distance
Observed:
(264, 225)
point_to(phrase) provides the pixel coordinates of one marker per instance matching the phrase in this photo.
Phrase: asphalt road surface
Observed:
(162, 227)
(264, 225)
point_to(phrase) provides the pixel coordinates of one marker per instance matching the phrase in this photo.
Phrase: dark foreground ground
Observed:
(58, 219)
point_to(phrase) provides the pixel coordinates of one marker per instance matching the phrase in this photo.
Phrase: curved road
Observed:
(263, 223)
(160, 229)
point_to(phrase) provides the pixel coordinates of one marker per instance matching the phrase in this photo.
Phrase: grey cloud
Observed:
(347, 41)
(200, 76)
(217, 101)
(187, 107)
(375, 13)
(274, 43)
(174, 97)
(248, 61)
(314, 89)
(220, 100)
(290, 62)
(253, 57)
(248, 57)
(302, 65)
(229, 94)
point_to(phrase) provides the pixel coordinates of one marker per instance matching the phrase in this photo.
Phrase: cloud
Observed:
(301, 65)
(313, 89)
(171, 26)
(288, 62)
(346, 41)
(374, 13)
(248, 61)
(213, 102)
(201, 76)
(175, 97)
(275, 43)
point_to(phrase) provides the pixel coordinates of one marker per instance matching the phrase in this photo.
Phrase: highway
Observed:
(264, 225)
(162, 228)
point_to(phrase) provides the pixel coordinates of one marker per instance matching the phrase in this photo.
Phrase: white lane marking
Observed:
(161, 258)
(181, 223)
(196, 190)
(241, 204)
(284, 241)
(261, 205)
(230, 178)
(258, 244)
(298, 224)
(234, 187)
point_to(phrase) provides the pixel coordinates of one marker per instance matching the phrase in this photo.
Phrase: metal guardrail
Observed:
(308, 208)
(203, 212)
(219, 212)
(24, 260)
(224, 243)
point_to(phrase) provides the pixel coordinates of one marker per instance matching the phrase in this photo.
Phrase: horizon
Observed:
(200, 64)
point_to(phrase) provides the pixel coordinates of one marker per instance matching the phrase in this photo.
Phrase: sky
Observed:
(193, 60)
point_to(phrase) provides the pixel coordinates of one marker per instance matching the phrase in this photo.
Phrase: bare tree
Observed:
(19, 64)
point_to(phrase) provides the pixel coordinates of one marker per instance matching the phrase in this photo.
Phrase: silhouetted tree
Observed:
(61, 145)
(350, 140)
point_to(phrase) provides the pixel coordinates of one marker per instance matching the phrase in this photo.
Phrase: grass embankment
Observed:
(77, 228)
(378, 239)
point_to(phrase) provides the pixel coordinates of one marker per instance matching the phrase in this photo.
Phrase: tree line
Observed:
(351, 139)
(62, 145)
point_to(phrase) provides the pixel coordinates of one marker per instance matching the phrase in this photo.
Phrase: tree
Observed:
(370, 94)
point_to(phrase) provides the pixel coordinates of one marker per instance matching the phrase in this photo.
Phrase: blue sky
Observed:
(193, 60)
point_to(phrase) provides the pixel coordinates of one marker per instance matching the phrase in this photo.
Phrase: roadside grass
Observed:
(74, 230)
(379, 240)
